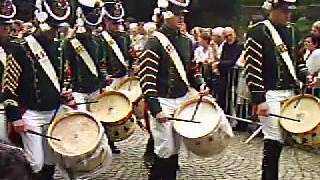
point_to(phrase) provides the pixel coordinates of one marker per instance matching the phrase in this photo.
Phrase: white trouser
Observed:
(166, 140)
(115, 82)
(271, 125)
(85, 97)
(3, 126)
(36, 147)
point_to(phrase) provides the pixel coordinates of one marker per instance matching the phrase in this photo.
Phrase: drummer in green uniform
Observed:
(116, 43)
(84, 55)
(32, 81)
(166, 74)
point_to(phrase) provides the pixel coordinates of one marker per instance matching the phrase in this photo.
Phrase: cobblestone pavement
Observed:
(240, 161)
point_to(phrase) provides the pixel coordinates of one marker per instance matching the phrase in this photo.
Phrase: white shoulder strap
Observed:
(83, 53)
(43, 59)
(3, 56)
(172, 52)
(114, 46)
(282, 48)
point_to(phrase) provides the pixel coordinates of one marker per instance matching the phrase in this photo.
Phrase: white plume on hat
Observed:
(91, 3)
(268, 4)
(14, 12)
(163, 4)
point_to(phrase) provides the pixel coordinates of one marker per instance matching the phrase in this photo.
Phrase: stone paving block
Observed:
(239, 161)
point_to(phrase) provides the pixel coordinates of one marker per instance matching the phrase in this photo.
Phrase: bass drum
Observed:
(114, 110)
(305, 108)
(83, 148)
(131, 88)
(209, 137)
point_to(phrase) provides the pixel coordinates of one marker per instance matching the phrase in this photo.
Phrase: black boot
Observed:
(270, 163)
(149, 155)
(46, 173)
(155, 172)
(114, 148)
(171, 167)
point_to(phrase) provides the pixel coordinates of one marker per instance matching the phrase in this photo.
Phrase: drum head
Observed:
(79, 132)
(130, 87)
(206, 114)
(305, 108)
(112, 106)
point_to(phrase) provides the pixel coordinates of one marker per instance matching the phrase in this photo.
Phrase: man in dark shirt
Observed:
(231, 51)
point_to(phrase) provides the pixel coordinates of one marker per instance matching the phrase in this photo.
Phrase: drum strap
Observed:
(174, 56)
(114, 46)
(83, 53)
(281, 47)
(43, 60)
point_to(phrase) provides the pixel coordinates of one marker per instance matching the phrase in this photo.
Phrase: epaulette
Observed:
(255, 25)
(20, 41)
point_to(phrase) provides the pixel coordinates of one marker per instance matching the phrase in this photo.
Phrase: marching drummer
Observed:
(5, 22)
(165, 65)
(117, 43)
(84, 54)
(31, 80)
(271, 77)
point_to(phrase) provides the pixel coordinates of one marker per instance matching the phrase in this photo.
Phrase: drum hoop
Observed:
(121, 83)
(195, 100)
(289, 101)
(60, 118)
(111, 92)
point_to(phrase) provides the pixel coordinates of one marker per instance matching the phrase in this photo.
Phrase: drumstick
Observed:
(42, 135)
(283, 117)
(196, 109)
(183, 120)
(92, 102)
(244, 120)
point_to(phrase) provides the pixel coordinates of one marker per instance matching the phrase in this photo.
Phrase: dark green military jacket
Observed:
(265, 68)
(82, 78)
(158, 74)
(26, 85)
(114, 66)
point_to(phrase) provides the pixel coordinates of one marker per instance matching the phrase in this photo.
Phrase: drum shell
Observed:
(101, 158)
(87, 162)
(138, 108)
(122, 130)
(309, 137)
(209, 145)
(135, 97)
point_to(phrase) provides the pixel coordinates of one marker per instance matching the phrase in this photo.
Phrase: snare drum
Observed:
(206, 138)
(131, 88)
(114, 110)
(83, 148)
(304, 108)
